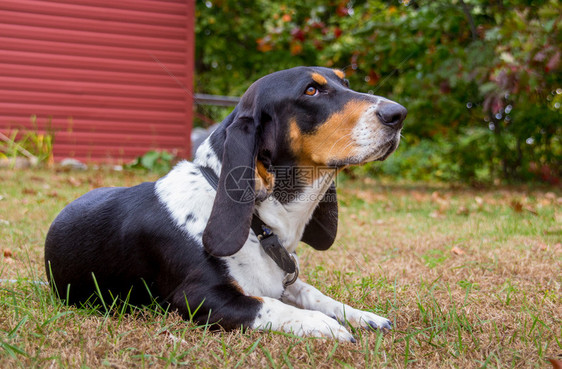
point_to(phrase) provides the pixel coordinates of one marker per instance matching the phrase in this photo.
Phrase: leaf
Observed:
(74, 182)
(296, 48)
(462, 210)
(29, 191)
(457, 251)
(173, 338)
(550, 196)
(488, 87)
(553, 63)
(556, 364)
(435, 214)
(531, 210)
(540, 56)
(542, 246)
(479, 201)
(516, 205)
(507, 57)
(548, 25)
(149, 159)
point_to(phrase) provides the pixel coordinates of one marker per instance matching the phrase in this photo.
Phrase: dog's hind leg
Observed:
(221, 305)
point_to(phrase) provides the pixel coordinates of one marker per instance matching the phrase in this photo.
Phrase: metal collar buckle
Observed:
(291, 278)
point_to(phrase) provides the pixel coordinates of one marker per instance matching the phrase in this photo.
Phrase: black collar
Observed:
(268, 240)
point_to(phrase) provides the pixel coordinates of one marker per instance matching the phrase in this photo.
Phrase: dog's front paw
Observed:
(278, 316)
(317, 324)
(364, 319)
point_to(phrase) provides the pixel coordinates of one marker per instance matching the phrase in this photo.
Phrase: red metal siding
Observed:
(114, 78)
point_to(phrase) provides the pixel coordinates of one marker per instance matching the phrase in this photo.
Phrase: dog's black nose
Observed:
(392, 115)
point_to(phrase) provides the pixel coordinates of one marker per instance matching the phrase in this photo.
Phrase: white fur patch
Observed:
(371, 138)
(277, 316)
(187, 196)
(206, 156)
(255, 271)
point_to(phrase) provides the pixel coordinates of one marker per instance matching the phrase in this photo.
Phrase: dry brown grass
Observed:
(469, 278)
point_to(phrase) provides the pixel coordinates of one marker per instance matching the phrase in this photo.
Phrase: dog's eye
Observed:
(346, 83)
(311, 91)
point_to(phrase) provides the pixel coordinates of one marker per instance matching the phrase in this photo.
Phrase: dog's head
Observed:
(305, 117)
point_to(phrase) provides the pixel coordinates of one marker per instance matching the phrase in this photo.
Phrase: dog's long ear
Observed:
(321, 230)
(231, 216)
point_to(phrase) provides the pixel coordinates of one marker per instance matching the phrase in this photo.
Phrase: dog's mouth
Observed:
(381, 153)
(369, 152)
(389, 149)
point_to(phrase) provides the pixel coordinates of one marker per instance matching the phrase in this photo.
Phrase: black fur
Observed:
(127, 240)
(321, 230)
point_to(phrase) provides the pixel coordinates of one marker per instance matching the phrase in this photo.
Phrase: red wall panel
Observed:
(112, 78)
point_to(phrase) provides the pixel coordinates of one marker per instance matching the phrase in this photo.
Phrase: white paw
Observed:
(277, 316)
(316, 324)
(363, 319)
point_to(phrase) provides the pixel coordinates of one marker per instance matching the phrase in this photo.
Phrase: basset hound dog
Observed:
(216, 239)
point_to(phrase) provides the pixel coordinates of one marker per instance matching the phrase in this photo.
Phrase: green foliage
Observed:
(154, 161)
(434, 257)
(35, 145)
(423, 161)
(471, 157)
(482, 80)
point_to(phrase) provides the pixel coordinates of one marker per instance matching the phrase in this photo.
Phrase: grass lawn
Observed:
(469, 279)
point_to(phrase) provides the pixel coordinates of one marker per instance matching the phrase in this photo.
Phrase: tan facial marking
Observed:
(318, 78)
(295, 138)
(332, 140)
(339, 73)
(264, 179)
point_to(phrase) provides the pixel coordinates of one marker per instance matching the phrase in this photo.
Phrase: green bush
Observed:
(154, 161)
(482, 80)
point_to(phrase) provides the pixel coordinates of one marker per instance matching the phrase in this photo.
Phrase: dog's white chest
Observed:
(255, 271)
